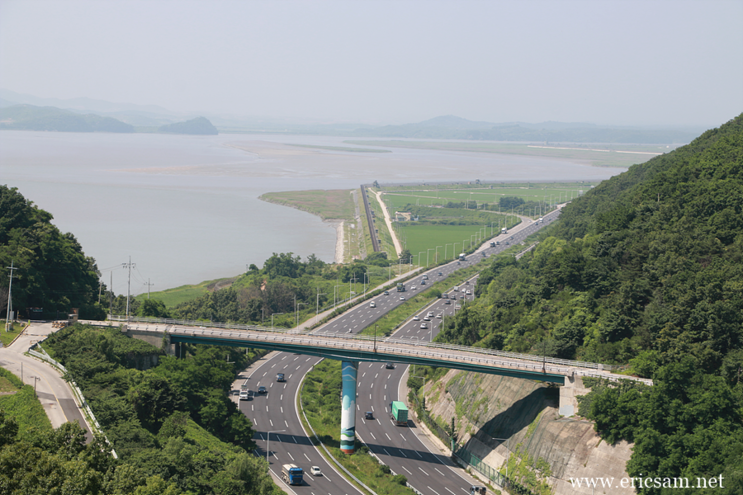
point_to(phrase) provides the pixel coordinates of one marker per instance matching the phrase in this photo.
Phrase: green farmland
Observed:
(551, 193)
(419, 238)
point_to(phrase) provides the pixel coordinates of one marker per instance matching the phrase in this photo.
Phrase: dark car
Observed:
(368, 415)
(390, 366)
(280, 377)
(261, 389)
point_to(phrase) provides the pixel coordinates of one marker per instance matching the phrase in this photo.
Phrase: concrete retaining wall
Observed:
(496, 414)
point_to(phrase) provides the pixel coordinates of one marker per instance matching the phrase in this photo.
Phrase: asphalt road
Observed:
(399, 447)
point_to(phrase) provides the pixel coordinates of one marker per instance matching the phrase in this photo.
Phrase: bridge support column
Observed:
(349, 372)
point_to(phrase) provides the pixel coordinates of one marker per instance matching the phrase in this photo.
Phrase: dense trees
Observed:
(53, 272)
(645, 269)
(158, 421)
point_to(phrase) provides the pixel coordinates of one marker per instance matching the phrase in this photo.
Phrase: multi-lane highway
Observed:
(399, 447)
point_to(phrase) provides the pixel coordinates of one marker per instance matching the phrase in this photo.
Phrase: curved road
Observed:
(399, 447)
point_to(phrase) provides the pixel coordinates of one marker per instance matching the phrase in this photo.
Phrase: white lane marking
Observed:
(452, 493)
(282, 409)
(375, 376)
(290, 455)
(287, 424)
(266, 408)
(305, 455)
(385, 451)
(372, 385)
(403, 438)
(388, 437)
(419, 454)
(264, 374)
(254, 421)
(372, 434)
(357, 407)
(270, 422)
(406, 469)
(294, 438)
(369, 396)
(380, 423)
(434, 491)
(442, 474)
(372, 408)
(252, 407)
(403, 453)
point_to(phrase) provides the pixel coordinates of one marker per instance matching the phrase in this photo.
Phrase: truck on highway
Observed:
(399, 413)
(462, 257)
(504, 230)
(292, 474)
(400, 287)
(492, 243)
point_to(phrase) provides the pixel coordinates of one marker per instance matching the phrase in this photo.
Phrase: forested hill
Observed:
(33, 118)
(645, 269)
(52, 272)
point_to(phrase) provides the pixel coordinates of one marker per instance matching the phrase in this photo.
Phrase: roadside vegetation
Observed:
(644, 270)
(170, 420)
(320, 403)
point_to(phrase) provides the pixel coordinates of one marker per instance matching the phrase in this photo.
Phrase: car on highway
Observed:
(424, 325)
(439, 316)
(430, 313)
(280, 377)
(448, 301)
(261, 389)
(425, 277)
(426, 318)
(413, 288)
(468, 292)
(386, 293)
(244, 394)
(372, 304)
(390, 366)
(423, 282)
(416, 318)
(402, 298)
(315, 471)
(441, 274)
(456, 289)
(368, 415)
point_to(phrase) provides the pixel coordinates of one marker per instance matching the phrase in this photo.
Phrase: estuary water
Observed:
(186, 208)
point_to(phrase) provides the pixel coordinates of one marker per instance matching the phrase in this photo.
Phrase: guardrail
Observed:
(75, 389)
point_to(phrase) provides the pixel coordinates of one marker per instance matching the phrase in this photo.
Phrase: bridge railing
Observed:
(435, 345)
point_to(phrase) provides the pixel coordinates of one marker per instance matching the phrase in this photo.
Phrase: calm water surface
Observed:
(185, 208)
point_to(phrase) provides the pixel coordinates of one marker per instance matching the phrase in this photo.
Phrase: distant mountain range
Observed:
(153, 118)
(33, 118)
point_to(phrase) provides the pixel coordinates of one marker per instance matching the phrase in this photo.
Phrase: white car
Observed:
(402, 298)
(244, 395)
(315, 470)
(426, 318)
(413, 288)
(424, 325)
(430, 314)
(372, 304)
(438, 316)
(416, 318)
(469, 292)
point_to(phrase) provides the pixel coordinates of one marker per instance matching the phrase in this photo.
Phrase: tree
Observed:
(153, 307)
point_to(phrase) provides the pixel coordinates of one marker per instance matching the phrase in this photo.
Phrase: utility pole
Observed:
(111, 296)
(129, 284)
(10, 292)
(148, 284)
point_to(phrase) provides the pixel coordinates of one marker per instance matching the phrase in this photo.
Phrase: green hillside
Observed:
(644, 269)
(53, 273)
(33, 118)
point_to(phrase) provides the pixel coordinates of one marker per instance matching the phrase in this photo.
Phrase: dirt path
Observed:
(388, 221)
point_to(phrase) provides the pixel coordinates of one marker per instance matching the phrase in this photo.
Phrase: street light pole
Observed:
(419, 258)
(272, 319)
(437, 253)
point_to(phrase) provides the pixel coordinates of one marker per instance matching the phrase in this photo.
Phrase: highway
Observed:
(399, 447)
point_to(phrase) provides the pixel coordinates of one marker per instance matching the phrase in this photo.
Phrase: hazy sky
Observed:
(608, 62)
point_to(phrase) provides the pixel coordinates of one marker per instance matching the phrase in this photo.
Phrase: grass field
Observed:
(22, 405)
(7, 337)
(332, 204)
(596, 155)
(550, 193)
(177, 295)
(422, 240)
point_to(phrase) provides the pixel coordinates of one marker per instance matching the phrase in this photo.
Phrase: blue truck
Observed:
(292, 474)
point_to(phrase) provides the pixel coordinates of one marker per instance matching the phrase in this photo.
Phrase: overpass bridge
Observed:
(352, 349)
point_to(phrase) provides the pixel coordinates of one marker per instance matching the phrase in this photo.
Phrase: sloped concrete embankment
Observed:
(495, 415)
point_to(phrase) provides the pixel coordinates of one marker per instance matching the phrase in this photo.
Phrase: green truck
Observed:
(399, 413)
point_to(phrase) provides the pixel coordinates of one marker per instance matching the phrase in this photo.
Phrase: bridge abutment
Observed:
(349, 374)
(569, 392)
